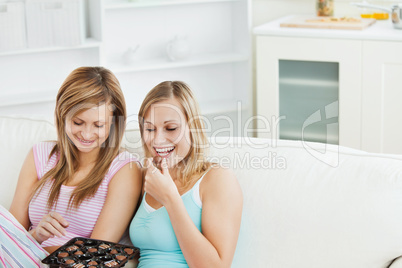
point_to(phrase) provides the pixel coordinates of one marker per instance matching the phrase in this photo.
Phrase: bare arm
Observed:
(27, 181)
(51, 224)
(222, 203)
(221, 215)
(121, 201)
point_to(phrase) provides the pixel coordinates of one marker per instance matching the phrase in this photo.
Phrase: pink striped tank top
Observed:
(82, 220)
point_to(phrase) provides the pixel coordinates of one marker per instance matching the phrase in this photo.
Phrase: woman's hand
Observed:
(159, 183)
(52, 224)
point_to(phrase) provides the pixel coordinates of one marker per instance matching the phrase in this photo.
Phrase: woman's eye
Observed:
(171, 129)
(150, 129)
(77, 124)
(99, 126)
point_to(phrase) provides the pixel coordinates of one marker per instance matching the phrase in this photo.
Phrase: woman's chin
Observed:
(87, 149)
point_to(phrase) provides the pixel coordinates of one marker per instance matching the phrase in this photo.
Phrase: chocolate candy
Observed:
(72, 248)
(111, 264)
(70, 261)
(82, 252)
(92, 250)
(62, 255)
(129, 251)
(79, 242)
(79, 252)
(121, 257)
(104, 246)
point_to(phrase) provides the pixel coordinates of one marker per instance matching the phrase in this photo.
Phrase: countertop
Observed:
(380, 30)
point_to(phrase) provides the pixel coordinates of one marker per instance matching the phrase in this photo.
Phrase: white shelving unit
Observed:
(31, 77)
(218, 67)
(192, 61)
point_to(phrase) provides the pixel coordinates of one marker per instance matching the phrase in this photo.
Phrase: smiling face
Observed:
(89, 129)
(166, 132)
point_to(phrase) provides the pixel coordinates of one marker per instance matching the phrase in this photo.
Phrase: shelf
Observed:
(27, 98)
(122, 4)
(89, 43)
(308, 82)
(164, 63)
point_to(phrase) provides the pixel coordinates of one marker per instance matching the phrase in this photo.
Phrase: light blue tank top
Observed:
(153, 234)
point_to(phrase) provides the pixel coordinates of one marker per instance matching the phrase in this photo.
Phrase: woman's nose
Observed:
(159, 137)
(87, 133)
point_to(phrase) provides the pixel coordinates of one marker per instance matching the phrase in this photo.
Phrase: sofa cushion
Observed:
(132, 143)
(18, 135)
(314, 205)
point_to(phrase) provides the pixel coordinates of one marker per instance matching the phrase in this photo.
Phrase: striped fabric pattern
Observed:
(17, 247)
(82, 220)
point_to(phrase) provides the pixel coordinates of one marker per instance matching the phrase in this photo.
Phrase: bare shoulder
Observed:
(130, 171)
(220, 180)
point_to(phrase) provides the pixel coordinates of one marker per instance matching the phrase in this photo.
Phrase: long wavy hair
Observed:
(194, 163)
(84, 88)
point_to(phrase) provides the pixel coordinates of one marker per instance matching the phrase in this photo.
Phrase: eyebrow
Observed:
(168, 121)
(99, 121)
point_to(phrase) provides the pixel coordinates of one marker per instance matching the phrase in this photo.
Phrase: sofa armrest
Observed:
(397, 263)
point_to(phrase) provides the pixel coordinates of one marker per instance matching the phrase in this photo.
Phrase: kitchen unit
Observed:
(211, 40)
(328, 85)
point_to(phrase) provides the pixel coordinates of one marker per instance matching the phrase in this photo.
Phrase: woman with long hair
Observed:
(83, 184)
(191, 209)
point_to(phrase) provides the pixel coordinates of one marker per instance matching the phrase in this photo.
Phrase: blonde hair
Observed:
(195, 161)
(85, 87)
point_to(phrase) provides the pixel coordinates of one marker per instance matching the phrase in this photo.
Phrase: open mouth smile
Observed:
(164, 152)
(86, 142)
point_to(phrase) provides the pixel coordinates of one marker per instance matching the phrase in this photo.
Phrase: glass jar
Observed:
(325, 7)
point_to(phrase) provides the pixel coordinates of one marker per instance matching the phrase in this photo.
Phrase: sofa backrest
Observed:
(17, 136)
(315, 205)
(305, 204)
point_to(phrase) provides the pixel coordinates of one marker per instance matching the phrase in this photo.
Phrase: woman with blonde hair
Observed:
(83, 184)
(191, 209)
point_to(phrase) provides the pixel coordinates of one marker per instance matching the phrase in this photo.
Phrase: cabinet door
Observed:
(382, 97)
(272, 52)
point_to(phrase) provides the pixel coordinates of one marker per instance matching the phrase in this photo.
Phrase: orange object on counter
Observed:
(381, 16)
(377, 16)
(366, 16)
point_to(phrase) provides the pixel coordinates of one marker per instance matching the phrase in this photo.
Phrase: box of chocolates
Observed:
(82, 252)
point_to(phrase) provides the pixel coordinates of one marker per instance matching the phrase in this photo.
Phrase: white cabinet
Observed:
(342, 86)
(382, 97)
(217, 67)
(271, 51)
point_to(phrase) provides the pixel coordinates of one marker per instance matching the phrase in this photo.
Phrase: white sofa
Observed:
(306, 205)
